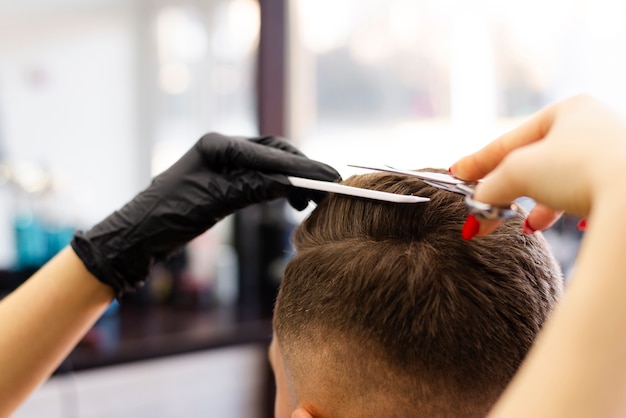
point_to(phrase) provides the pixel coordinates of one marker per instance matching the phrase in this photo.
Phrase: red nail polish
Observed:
(582, 225)
(527, 229)
(450, 170)
(470, 228)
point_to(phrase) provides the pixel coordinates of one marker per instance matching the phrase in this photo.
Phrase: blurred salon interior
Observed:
(98, 96)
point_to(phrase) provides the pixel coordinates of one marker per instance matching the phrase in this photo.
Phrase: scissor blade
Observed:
(327, 186)
(424, 175)
(444, 186)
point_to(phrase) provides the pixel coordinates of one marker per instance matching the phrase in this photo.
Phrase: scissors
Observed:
(455, 185)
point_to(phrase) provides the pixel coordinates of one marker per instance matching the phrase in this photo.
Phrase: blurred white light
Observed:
(325, 25)
(605, 19)
(536, 24)
(403, 22)
(174, 78)
(372, 44)
(180, 35)
(237, 30)
(230, 82)
(165, 153)
(472, 72)
(31, 177)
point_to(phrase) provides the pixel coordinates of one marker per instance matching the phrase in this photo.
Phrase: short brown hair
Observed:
(393, 301)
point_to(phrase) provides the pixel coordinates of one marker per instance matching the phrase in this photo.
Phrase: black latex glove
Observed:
(216, 177)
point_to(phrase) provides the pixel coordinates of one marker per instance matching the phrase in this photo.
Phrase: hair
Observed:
(394, 314)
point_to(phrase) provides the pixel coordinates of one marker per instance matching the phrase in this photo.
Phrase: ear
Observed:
(301, 413)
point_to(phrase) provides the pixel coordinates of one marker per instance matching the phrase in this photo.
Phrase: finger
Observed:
(540, 218)
(502, 187)
(476, 226)
(274, 186)
(488, 226)
(228, 153)
(477, 165)
(298, 202)
(316, 196)
(276, 161)
(278, 143)
(295, 165)
(511, 179)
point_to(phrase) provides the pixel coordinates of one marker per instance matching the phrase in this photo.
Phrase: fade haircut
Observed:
(394, 314)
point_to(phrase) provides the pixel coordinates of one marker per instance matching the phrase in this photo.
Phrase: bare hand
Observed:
(566, 157)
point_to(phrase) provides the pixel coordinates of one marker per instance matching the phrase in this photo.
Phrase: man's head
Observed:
(386, 311)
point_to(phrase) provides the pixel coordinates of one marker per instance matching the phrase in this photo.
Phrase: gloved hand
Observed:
(216, 177)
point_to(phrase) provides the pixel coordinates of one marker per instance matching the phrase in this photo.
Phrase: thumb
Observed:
(508, 181)
(511, 179)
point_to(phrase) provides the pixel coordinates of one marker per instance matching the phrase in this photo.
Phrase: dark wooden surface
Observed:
(141, 333)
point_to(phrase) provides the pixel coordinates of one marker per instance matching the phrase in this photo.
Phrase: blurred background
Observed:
(98, 96)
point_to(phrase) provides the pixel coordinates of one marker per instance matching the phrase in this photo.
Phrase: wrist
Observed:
(102, 266)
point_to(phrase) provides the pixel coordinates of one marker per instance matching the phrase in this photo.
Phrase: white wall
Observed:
(224, 383)
(68, 101)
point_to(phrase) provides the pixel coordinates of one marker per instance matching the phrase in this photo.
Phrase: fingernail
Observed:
(470, 228)
(450, 170)
(582, 225)
(527, 229)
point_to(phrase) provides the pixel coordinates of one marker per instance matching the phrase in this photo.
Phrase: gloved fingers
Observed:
(299, 198)
(258, 187)
(275, 160)
(316, 196)
(227, 153)
(247, 187)
(277, 142)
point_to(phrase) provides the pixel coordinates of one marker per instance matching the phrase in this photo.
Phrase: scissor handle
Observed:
(490, 212)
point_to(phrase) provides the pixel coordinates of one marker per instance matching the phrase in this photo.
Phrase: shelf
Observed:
(138, 333)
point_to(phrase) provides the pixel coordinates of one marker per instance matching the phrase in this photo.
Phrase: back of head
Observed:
(386, 311)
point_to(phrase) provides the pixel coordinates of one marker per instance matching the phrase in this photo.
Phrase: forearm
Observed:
(578, 366)
(42, 321)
